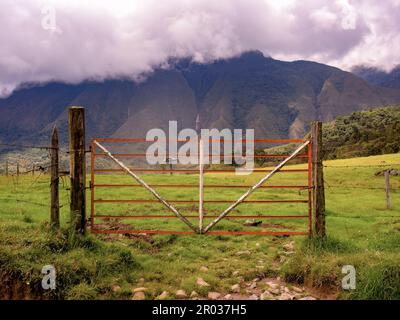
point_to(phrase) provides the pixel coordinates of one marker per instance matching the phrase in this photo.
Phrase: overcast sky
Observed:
(72, 40)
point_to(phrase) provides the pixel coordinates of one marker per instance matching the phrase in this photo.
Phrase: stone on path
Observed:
(275, 291)
(308, 298)
(266, 295)
(194, 294)
(297, 289)
(272, 285)
(115, 288)
(253, 285)
(181, 294)
(235, 288)
(214, 295)
(163, 295)
(139, 296)
(202, 283)
(285, 296)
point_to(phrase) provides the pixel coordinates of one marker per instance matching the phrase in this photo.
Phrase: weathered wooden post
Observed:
(77, 168)
(54, 181)
(318, 180)
(33, 169)
(387, 187)
(17, 169)
(201, 174)
(6, 168)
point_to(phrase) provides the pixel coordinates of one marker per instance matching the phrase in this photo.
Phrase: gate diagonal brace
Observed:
(256, 186)
(145, 185)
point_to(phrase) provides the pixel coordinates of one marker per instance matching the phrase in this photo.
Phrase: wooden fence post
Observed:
(387, 187)
(77, 168)
(33, 169)
(318, 180)
(17, 169)
(6, 168)
(54, 181)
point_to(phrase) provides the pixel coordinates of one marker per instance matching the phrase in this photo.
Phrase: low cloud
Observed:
(75, 40)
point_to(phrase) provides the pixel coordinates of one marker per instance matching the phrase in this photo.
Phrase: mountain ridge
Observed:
(276, 98)
(379, 77)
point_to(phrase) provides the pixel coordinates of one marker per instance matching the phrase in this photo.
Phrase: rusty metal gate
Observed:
(98, 150)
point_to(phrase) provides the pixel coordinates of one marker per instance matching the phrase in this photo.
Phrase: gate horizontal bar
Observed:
(132, 155)
(196, 201)
(140, 231)
(205, 216)
(196, 170)
(283, 233)
(211, 140)
(194, 186)
(265, 233)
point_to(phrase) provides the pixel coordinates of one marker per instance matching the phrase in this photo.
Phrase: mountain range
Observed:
(379, 77)
(276, 98)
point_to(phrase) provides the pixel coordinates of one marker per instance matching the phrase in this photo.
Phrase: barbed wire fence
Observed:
(25, 182)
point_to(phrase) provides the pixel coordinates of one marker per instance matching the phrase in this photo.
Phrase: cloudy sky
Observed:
(72, 40)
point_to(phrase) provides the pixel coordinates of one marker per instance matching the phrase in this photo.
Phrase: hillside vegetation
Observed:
(363, 133)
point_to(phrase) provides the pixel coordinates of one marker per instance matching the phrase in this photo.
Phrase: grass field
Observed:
(361, 232)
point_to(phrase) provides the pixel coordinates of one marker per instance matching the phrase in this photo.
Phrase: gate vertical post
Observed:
(318, 180)
(201, 185)
(92, 186)
(77, 168)
(54, 182)
(387, 189)
(310, 183)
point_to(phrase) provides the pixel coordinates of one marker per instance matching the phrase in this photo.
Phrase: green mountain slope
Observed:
(363, 133)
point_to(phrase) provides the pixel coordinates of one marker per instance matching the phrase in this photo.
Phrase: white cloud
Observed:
(103, 38)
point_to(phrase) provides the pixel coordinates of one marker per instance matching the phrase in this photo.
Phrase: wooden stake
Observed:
(318, 180)
(77, 168)
(17, 169)
(33, 169)
(54, 181)
(6, 168)
(387, 187)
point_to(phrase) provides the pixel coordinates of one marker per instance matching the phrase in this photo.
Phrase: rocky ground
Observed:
(257, 289)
